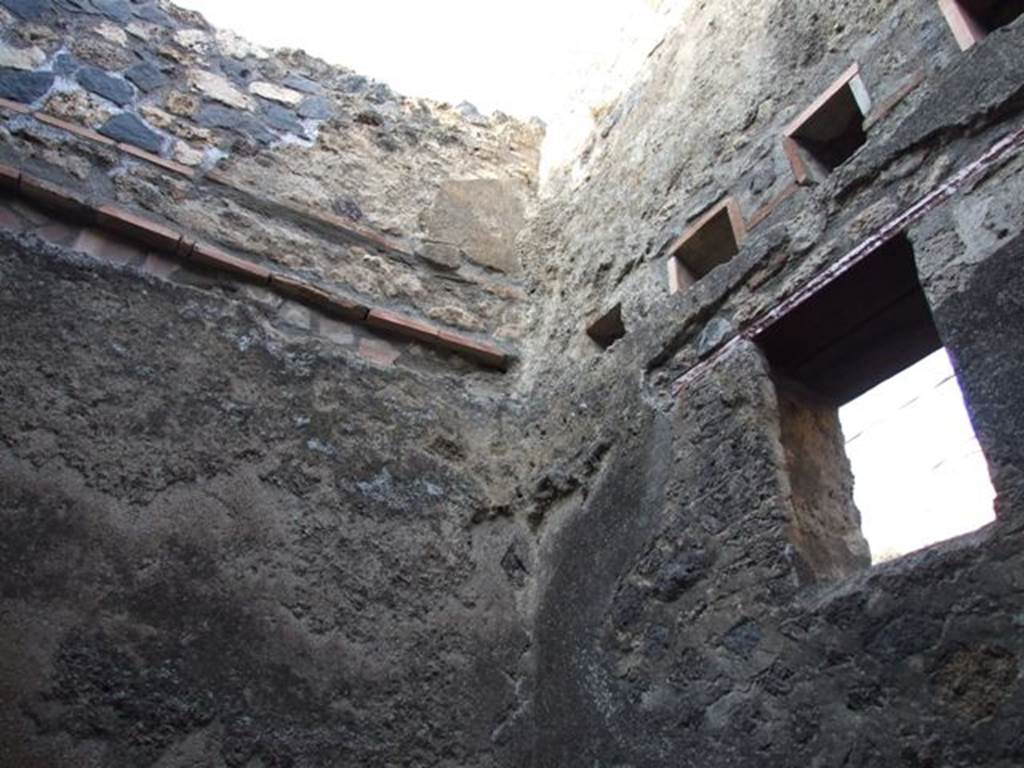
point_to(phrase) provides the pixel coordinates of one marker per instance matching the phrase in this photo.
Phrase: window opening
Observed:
(916, 421)
(872, 421)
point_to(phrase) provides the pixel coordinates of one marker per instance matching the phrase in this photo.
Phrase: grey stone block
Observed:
(25, 87)
(102, 84)
(131, 130)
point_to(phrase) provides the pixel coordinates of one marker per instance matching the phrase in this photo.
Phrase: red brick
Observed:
(223, 179)
(218, 177)
(77, 130)
(351, 228)
(164, 163)
(731, 208)
(327, 302)
(480, 352)
(145, 231)
(843, 81)
(13, 106)
(9, 178)
(184, 249)
(796, 162)
(965, 29)
(400, 325)
(211, 257)
(298, 290)
(56, 197)
(714, 239)
(346, 309)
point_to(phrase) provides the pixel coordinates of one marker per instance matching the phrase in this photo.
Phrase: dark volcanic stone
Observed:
(65, 64)
(151, 13)
(348, 207)
(300, 83)
(316, 108)
(743, 638)
(282, 119)
(676, 577)
(146, 76)
(119, 10)
(132, 130)
(216, 116)
(24, 86)
(240, 71)
(355, 84)
(112, 88)
(27, 9)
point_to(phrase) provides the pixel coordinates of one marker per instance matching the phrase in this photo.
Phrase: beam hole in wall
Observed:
(972, 20)
(830, 131)
(608, 328)
(861, 356)
(714, 239)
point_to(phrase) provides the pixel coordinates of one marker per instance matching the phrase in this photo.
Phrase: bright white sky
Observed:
(525, 58)
(920, 475)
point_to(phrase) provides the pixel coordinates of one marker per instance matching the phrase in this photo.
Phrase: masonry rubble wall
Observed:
(243, 533)
(676, 619)
(255, 311)
(276, 156)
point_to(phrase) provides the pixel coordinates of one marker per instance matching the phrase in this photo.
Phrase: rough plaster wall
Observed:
(608, 576)
(224, 547)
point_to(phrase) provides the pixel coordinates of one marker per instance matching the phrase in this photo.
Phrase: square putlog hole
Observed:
(831, 130)
(608, 328)
(972, 20)
(713, 240)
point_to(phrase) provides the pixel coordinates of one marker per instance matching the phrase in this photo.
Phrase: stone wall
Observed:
(241, 532)
(276, 155)
(229, 542)
(681, 618)
(242, 528)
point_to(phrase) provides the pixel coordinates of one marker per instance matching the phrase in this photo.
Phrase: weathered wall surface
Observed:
(230, 544)
(677, 620)
(241, 534)
(705, 120)
(239, 531)
(264, 143)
